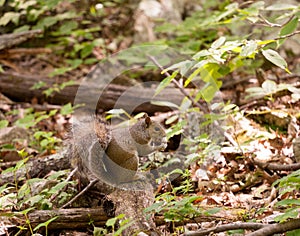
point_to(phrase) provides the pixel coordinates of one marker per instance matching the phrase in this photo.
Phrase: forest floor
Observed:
(259, 149)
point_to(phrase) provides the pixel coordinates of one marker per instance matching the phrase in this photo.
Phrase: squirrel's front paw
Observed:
(160, 145)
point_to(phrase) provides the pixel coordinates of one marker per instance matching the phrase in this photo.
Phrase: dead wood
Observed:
(226, 227)
(80, 218)
(261, 229)
(17, 87)
(9, 40)
(75, 218)
(37, 168)
(132, 203)
(277, 228)
(277, 167)
(15, 52)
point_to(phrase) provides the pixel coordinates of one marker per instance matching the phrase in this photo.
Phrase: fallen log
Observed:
(17, 87)
(13, 39)
(80, 218)
(37, 167)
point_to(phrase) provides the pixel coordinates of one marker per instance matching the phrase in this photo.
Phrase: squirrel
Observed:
(112, 155)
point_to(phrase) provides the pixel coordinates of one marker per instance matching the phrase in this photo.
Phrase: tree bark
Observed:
(132, 203)
(9, 40)
(80, 218)
(37, 167)
(17, 87)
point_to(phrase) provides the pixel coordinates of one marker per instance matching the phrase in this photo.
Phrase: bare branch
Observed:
(268, 23)
(278, 167)
(80, 193)
(180, 87)
(288, 35)
(222, 228)
(277, 228)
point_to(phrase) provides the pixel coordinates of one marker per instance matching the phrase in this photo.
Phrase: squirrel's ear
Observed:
(148, 121)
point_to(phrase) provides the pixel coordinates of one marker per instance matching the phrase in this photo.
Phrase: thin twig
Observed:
(180, 87)
(80, 193)
(277, 228)
(222, 228)
(64, 188)
(288, 35)
(276, 167)
(268, 23)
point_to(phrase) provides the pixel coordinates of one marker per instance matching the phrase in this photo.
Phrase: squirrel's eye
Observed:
(156, 129)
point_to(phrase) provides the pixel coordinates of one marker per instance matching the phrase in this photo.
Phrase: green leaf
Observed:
(9, 17)
(52, 112)
(7, 147)
(208, 91)
(38, 85)
(58, 187)
(38, 134)
(156, 207)
(269, 86)
(26, 4)
(26, 122)
(45, 224)
(202, 53)
(195, 72)
(213, 211)
(75, 63)
(218, 43)
(59, 71)
(41, 117)
(289, 27)
(35, 199)
(191, 158)
(280, 7)
(25, 212)
(51, 3)
(165, 83)
(23, 28)
(230, 9)
(68, 27)
(67, 109)
(178, 65)
(89, 61)
(288, 202)
(249, 49)
(253, 9)
(57, 175)
(164, 104)
(275, 58)
(111, 222)
(3, 123)
(175, 130)
(210, 72)
(293, 233)
(185, 104)
(123, 225)
(289, 214)
(116, 111)
(65, 84)
(171, 119)
(46, 22)
(86, 50)
(44, 143)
